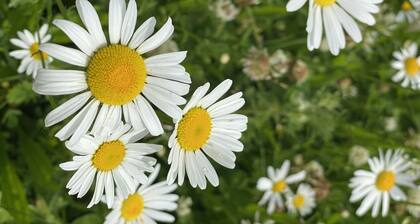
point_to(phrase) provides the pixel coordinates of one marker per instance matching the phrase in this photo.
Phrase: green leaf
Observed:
(5, 216)
(14, 197)
(39, 165)
(21, 93)
(87, 219)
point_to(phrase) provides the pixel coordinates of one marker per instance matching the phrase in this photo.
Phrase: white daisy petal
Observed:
(129, 22)
(116, 16)
(158, 38)
(91, 21)
(65, 54)
(80, 37)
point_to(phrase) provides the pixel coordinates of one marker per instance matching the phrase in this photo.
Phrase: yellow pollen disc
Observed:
(324, 3)
(298, 201)
(412, 67)
(385, 180)
(36, 53)
(116, 74)
(194, 129)
(109, 155)
(279, 186)
(406, 6)
(132, 207)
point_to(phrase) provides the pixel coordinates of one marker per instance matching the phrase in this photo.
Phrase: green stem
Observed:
(10, 78)
(409, 203)
(40, 52)
(61, 7)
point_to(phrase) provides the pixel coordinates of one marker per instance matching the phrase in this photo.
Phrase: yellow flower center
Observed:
(279, 186)
(116, 74)
(324, 3)
(194, 129)
(411, 66)
(385, 180)
(406, 6)
(36, 54)
(109, 155)
(132, 207)
(298, 201)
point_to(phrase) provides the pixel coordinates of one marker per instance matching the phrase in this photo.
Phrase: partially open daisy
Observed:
(147, 205)
(376, 187)
(276, 185)
(408, 65)
(114, 158)
(335, 17)
(210, 128)
(32, 58)
(303, 202)
(410, 10)
(114, 81)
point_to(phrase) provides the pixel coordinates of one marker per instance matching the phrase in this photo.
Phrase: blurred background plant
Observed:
(325, 113)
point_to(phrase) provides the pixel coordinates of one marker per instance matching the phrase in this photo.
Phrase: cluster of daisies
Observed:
(114, 91)
(388, 174)
(278, 192)
(407, 62)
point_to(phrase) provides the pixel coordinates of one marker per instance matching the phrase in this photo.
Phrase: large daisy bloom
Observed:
(382, 183)
(276, 185)
(408, 65)
(32, 59)
(145, 206)
(410, 10)
(114, 158)
(114, 80)
(206, 128)
(335, 17)
(303, 202)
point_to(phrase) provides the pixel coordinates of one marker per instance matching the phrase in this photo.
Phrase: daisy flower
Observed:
(145, 206)
(114, 158)
(32, 58)
(276, 184)
(335, 17)
(409, 11)
(114, 80)
(408, 65)
(210, 128)
(378, 186)
(303, 202)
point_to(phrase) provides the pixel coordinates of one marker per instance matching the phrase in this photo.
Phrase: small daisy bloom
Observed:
(376, 187)
(114, 80)
(32, 58)
(114, 158)
(276, 184)
(145, 206)
(410, 10)
(303, 202)
(335, 17)
(210, 128)
(408, 65)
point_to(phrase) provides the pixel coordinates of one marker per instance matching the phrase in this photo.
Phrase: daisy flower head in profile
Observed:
(335, 18)
(207, 128)
(407, 62)
(113, 79)
(410, 10)
(147, 205)
(377, 187)
(32, 59)
(276, 186)
(113, 157)
(303, 202)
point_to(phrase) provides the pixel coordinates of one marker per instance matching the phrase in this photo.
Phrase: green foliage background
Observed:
(33, 187)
